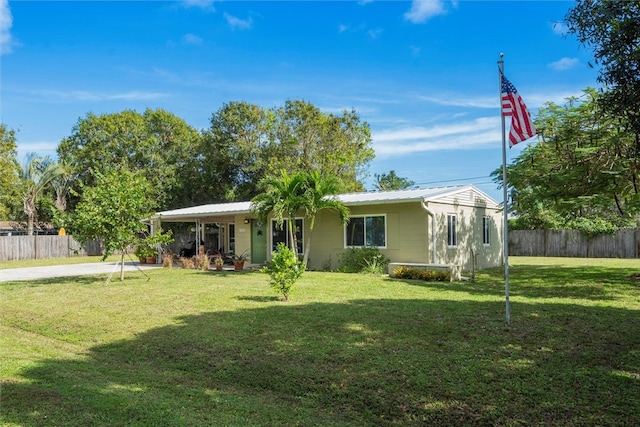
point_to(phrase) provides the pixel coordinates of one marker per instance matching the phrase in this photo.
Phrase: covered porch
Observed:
(225, 229)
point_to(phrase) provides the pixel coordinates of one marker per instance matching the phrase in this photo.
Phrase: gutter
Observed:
(434, 258)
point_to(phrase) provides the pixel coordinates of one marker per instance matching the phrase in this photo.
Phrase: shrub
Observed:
(403, 272)
(363, 260)
(202, 262)
(284, 269)
(186, 262)
(167, 260)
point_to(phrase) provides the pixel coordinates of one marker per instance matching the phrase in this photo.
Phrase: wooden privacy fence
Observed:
(41, 247)
(572, 243)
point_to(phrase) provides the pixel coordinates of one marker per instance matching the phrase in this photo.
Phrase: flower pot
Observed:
(142, 260)
(151, 260)
(239, 265)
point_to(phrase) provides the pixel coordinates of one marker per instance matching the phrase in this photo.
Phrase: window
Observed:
(366, 231)
(486, 235)
(452, 232)
(232, 237)
(280, 235)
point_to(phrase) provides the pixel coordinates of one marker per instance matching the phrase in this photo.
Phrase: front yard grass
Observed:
(193, 348)
(25, 263)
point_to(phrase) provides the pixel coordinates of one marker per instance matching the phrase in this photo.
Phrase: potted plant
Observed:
(149, 244)
(218, 262)
(152, 256)
(141, 254)
(238, 260)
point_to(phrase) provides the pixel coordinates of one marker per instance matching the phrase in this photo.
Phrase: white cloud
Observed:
(203, 4)
(235, 22)
(80, 95)
(6, 21)
(537, 100)
(374, 34)
(533, 99)
(564, 64)
(38, 146)
(342, 28)
(463, 101)
(483, 132)
(43, 148)
(423, 10)
(190, 38)
(560, 28)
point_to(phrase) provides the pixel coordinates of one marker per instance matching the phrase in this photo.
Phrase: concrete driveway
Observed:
(35, 273)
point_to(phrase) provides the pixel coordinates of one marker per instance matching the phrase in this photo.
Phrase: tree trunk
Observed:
(307, 246)
(30, 225)
(122, 266)
(292, 234)
(30, 211)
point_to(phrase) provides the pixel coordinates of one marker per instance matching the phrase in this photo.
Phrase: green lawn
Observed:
(192, 348)
(23, 263)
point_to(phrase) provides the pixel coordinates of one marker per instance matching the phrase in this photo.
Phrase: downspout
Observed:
(434, 258)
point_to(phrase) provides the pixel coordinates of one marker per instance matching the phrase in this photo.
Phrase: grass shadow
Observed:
(362, 362)
(544, 281)
(258, 298)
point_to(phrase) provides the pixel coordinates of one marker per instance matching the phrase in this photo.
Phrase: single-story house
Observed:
(443, 225)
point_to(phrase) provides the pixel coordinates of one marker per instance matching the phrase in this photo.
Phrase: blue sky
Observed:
(423, 74)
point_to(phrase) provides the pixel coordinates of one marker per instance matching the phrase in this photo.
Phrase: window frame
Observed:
(300, 240)
(364, 231)
(452, 230)
(486, 231)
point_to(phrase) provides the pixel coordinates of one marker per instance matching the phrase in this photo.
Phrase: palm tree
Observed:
(36, 174)
(317, 192)
(62, 185)
(282, 199)
(286, 195)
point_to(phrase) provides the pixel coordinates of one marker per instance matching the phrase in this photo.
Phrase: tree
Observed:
(9, 174)
(112, 210)
(37, 173)
(283, 198)
(284, 270)
(158, 144)
(247, 143)
(391, 181)
(582, 174)
(235, 152)
(333, 145)
(612, 29)
(316, 197)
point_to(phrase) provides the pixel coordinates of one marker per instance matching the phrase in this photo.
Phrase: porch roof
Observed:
(198, 212)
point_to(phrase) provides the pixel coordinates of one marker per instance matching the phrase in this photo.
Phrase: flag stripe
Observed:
(513, 106)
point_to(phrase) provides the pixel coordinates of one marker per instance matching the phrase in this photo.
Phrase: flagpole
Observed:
(505, 243)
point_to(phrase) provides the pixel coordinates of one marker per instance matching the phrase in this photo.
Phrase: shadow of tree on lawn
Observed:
(540, 281)
(366, 362)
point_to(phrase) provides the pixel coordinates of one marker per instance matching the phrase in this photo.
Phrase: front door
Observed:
(258, 242)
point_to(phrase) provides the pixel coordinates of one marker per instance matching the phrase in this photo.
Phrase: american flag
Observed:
(522, 127)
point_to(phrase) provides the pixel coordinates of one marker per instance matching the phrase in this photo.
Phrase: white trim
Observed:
(455, 230)
(486, 226)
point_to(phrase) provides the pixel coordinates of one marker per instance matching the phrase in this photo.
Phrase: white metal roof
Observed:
(398, 196)
(349, 199)
(206, 210)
